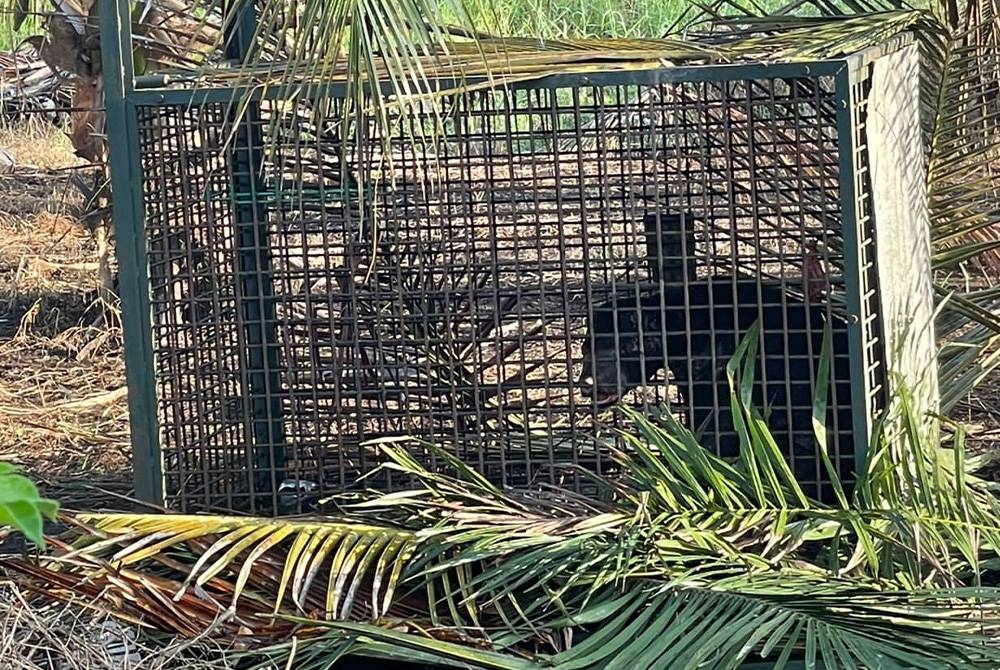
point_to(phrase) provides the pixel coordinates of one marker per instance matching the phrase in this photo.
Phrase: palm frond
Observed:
(708, 20)
(402, 641)
(186, 571)
(961, 117)
(442, 64)
(961, 179)
(461, 572)
(836, 624)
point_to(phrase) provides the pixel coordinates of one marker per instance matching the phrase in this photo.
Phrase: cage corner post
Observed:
(130, 246)
(262, 382)
(862, 408)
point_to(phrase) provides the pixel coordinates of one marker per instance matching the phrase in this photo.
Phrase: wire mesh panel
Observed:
(558, 248)
(199, 371)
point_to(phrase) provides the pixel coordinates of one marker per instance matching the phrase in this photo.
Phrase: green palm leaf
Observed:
(836, 624)
(680, 626)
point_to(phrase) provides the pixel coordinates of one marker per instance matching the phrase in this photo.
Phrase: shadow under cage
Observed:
(495, 288)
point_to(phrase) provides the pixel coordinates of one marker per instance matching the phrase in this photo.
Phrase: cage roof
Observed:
(747, 40)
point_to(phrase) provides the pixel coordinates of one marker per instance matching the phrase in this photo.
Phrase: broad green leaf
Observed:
(21, 506)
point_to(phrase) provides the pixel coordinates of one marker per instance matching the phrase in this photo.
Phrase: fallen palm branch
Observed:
(457, 572)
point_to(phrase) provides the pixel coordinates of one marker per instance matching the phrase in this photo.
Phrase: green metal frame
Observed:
(649, 77)
(123, 101)
(120, 115)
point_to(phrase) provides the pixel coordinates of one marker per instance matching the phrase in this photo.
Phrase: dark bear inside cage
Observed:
(559, 246)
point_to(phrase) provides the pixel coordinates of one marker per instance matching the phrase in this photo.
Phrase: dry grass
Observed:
(63, 410)
(41, 635)
(37, 205)
(71, 412)
(38, 145)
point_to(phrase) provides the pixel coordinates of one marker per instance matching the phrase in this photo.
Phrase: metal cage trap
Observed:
(563, 244)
